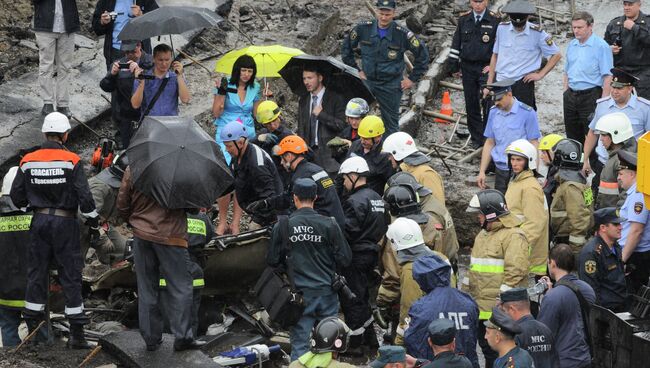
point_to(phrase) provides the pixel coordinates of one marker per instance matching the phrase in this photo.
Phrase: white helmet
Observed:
(357, 108)
(404, 233)
(354, 164)
(523, 148)
(616, 124)
(8, 180)
(400, 145)
(55, 122)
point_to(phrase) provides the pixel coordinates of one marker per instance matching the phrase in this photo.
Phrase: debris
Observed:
(29, 337)
(90, 356)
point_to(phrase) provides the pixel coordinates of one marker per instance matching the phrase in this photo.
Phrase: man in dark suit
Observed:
(321, 117)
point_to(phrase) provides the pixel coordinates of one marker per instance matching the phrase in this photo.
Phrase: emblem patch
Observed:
(486, 38)
(549, 41)
(590, 267)
(415, 42)
(392, 54)
(353, 35)
(638, 207)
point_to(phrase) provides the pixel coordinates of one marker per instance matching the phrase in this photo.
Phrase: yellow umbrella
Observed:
(269, 59)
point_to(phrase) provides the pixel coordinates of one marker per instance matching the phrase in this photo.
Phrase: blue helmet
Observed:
(233, 131)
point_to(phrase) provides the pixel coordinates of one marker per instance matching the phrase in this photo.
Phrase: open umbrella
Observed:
(177, 163)
(337, 76)
(269, 59)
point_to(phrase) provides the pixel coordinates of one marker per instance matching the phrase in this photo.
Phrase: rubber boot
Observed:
(39, 337)
(77, 339)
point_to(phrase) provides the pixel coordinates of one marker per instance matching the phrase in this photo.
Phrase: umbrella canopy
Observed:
(168, 20)
(177, 163)
(269, 59)
(337, 76)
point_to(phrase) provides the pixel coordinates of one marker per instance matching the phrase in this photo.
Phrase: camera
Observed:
(114, 15)
(340, 285)
(124, 66)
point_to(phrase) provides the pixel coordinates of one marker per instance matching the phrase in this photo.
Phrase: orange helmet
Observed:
(293, 144)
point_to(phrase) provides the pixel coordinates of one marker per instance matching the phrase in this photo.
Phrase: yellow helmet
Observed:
(267, 111)
(549, 141)
(371, 126)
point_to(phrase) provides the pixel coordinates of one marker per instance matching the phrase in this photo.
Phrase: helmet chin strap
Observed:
(354, 182)
(238, 147)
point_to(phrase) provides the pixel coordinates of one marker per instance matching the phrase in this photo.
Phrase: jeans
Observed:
(9, 322)
(317, 308)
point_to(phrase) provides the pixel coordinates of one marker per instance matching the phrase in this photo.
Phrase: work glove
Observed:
(93, 230)
(258, 206)
(272, 139)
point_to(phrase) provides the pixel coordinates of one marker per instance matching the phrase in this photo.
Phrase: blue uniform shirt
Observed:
(587, 64)
(635, 210)
(123, 7)
(637, 110)
(521, 53)
(506, 127)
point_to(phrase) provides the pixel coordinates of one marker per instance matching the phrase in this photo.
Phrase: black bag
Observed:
(277, 293)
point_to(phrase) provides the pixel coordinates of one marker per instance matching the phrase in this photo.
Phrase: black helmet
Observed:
(491, 203)
(402, 177)
(331, 334)
(402, 200)
(120, 162)
(568, 154)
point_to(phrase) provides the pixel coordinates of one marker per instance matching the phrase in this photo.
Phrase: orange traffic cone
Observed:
(445, 109)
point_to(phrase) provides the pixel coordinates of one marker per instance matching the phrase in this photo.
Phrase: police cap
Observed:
(442, 331)
(500, 88)
(514, 295)
(305, 188)
(502, 322)
(128, 45)
(607, 215)
(386, 4)
(519, 7)
(621, 78)
(389, 354)
(627, 160)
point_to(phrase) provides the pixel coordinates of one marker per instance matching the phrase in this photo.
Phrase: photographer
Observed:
(119, 81)
(109, 19)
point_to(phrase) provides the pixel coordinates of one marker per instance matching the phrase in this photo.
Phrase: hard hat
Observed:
(523, 148)
(402, 200)
(549, 141)
(568, 154)
(400, 145)
(403, 177)
(371, 126)
(490, 203)
(616, 124)
(404, 233)
(8, 180)
(354, 164)
(55, 122)
(267, 111)
(331, 334)
(120, 162)
(357, 108)
(233, 131)
(293, 144)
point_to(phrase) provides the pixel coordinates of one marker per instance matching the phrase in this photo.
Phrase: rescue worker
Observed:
(371, 132)
(635, 235)
(441, 300)
(534, 337)
(600, 263)
(526, 198)
(390, 356)
(572, 203)
(316, 249)
(255, 174)
(355, 110)
(500, 334)
(51, 180)
(14, 237)
(270, 116)
(546, 146)
(330, 338)
(442, 340)
(111, 244)
(615, 133)
(499, 258)
(471, 50)
(365, 225)
(293, 152)
(629, 37)
(382, 44)
(405, 156)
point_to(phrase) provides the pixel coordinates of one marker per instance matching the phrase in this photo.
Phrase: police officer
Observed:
(534, 337)
(355, 110)
(270, 116)
(442, 340)
(382, 44)
(500, 334)
(389, 356)
(499, 257)
(471, 49)
(293, 150)
(365, 225)
(51, 180)
(508, 120)
(629, 37)
(600, 263)
(330, 337)
(316, 249)
(635, 235)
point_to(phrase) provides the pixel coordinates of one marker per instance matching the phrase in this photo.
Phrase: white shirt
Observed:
(59, 22)
(319, 101)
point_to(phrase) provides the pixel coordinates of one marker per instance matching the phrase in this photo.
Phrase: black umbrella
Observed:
(168, 20)
(177, 163)
(337, 76)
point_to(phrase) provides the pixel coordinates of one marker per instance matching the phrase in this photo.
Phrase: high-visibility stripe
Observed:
(487, 265)
(91, 214)
(610, 191)
(34, 306)
(558, 213)
(162, 283)
(319, 175)
(74, 310)
(577, 239)
(483, 315)
(15, 223)
(195, 283)
(47, 165)
(454, 51)
(539, 269)
(452, 56)
(608, 184)
(12, 303)
(49, 155)
(196, 226)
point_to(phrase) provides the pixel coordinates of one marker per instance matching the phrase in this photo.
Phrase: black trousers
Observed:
(525, 92)
(489, 354)
(639, 262)
(643, 85)
(501, 180)
(473, 81)
(579, 107)
(358, 275)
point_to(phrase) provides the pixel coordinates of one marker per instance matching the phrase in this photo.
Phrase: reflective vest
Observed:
(14, 242)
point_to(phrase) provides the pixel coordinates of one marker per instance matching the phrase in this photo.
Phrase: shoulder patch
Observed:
(536, 27)
(643, 100)
(549, 40)
(590, 267)
(638, 207)
(603, 99)
(465, 13)
(525, 107)
(506, 22)
(492, 13)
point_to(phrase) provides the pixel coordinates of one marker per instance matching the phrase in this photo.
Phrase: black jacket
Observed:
(603, 270)
(635, 43)
(472, 43)
(331, 121)
(107, 30)
(281, 133)
(14, 243)
(379, 164)
(537, 339)
(121, 88)
(365, 219)
(44, 15)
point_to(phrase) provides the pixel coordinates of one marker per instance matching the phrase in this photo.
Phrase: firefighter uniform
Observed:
(444, 224)
(609, 194)
(571, 213)
(51, 180)
(526, 198)
(378, 162)
(428, 178)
